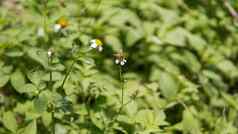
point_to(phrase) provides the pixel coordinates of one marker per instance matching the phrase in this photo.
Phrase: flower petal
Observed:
(57, 27)
(122, 63)
(100, 48)
(93, 45)
(117, 61)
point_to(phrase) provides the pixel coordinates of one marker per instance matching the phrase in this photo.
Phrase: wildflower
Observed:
(50, 53)
(41, 32)
(96, 44)
(120, 58)
(61, 24)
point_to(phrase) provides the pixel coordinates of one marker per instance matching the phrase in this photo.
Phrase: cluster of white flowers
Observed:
(122, 62)
(94, 43)
(119, 57)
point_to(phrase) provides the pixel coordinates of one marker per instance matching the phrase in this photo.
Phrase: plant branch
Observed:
(231, 10)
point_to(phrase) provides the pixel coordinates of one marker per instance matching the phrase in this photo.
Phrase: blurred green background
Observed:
(181, 75)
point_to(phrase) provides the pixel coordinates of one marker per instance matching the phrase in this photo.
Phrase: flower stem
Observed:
(50, 85)
(68, 73)
(53, 119)
(50, 60)
(45, 12)
(121, 85)
(122, 94)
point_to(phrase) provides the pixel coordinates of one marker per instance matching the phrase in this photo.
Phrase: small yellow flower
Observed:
(120, 58)
(96, 44)
(60, 24)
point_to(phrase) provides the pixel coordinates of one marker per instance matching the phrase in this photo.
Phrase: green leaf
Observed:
(29, 89)
(9, 121)
(196, 42)
(124, 16)
(14, 53)
(114, 42)
(176, 37)
(149, 119)
(46, 118)
(31, 128)
(18, 80)
(230, 100)
(40, 103)
(97, 120)
(35, 77)
(3, 79)
(192, 62)
(39, 56)
(228, 68)
(133, 35)
(168, 85)
(190, 124)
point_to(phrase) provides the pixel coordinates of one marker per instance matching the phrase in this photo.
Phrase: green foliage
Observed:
(181, 73)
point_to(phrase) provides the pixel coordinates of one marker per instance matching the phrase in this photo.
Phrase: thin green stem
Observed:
(50, 85)
(231, 10)
(122, 95)
(45, 12)
(68, 73)
(121, 85)
(53, 119)
(50, 60)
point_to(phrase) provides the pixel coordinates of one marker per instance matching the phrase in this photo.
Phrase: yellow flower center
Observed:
(98, 42)
(63, 22)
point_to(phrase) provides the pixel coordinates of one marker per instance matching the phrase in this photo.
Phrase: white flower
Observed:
(50, 53)
(117, 61)
(57, 28)
(100, 48)
(96, 44)
(122, 62)
(61, 23)
(120, 58)
(41, 32)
